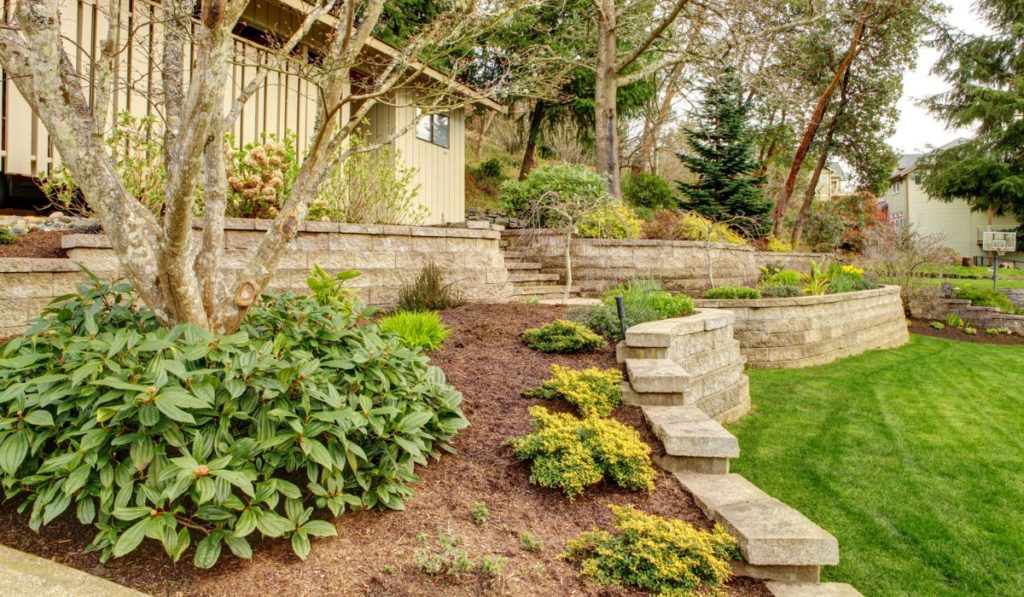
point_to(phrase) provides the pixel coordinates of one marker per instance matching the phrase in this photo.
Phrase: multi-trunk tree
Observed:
(182, 277)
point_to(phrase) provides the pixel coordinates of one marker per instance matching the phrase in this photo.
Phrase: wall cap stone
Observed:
(795, 300)
(23, 265)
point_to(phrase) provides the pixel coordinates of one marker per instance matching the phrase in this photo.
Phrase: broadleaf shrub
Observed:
(643, 300)
(643, 189)
(180, 434)
(612, 220)
(592, 391)
(417, 329)
(563, 336)
(657, 554)
(572, 454)
(732, 292)
(569, 182)
(429, 292)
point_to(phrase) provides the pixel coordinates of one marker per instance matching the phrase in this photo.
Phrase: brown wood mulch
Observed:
(37, 243)
(372, 554)
(924, 327)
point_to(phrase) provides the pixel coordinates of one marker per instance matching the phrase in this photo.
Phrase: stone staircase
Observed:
(528, 281)
(682, 373)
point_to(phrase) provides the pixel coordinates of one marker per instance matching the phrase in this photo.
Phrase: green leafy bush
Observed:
(846, 278)
(643, 300)
(6, 236)
(563, 336)
(592, 391)
(572, 454)
(417, 329)
(429, 292)
(613, 220)
(567, 181)
(732, 292)
(986, 297)
(183, 435)
(662, 555)
(784, 291)
(785, 277)
(643, 189)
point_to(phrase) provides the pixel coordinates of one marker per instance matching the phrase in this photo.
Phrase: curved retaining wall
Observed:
(680, 265)
(813, 330)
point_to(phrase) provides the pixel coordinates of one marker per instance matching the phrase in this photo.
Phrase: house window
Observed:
(433, 128)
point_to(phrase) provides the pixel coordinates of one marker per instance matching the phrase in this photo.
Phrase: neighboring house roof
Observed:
(909, 161)
(836, 169)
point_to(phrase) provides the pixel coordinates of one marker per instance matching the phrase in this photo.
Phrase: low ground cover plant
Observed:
(6, 236)
(429, 292)
(563, 336)
(784, 291)
(572, 454)
(592, 391)
(643, 300)
(732, 292)
(193, 438)
(657, 554)
(417, 329)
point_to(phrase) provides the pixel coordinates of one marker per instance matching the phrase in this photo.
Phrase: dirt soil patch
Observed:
(37, 243)
(924, 327)
(372, 554)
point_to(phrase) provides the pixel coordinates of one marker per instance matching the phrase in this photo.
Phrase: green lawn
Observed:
(1009, 283)
(913, 458)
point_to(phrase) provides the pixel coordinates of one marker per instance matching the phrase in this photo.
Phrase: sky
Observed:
(918, 130)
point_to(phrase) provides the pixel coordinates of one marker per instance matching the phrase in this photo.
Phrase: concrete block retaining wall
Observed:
(937, 307)
(813, 330)
(681, 266)
(386, 256)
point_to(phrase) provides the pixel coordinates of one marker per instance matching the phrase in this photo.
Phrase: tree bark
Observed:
(532, 134)
(606, 118)
(812, 188)
(779, 213)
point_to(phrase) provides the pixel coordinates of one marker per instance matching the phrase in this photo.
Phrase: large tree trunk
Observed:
(532, 135)
(798, 225)
(606, 118)
(779, 215)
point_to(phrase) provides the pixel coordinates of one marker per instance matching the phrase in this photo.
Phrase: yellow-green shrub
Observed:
(654, 553)
(613, 220)
(592, 391)
(572, 454)
(775, 245)
(563, 336)
(693, 226)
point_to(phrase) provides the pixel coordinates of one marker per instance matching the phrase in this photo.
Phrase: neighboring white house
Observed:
(909, 204)
(830, 183)
(285, 102)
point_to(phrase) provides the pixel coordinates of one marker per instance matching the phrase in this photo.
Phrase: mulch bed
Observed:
(372, 555)
(37, 243)
(923, 327)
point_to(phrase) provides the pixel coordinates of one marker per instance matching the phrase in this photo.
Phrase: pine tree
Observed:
(723, 157)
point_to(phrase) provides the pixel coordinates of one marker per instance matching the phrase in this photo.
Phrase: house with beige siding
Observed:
(908, 204)
(830, 183)
(431, 144)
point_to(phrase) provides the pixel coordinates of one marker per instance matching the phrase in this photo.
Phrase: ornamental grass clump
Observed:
(191, 438)
(592, 391)
(662, 555)
(572, 454)
(417, 329)
(563, 336)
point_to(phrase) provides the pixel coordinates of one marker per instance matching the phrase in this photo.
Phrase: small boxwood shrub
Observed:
(563, 336)
(643, 300)
(643, 189)
(661, 555)
(986, 297)
(732, 292)
(193, 438)
(592, 391)
(784, 291)
(429, 292)
(417, 329)
(6, 236)
(572, 454)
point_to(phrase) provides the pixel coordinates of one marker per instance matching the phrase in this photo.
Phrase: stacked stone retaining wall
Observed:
(386, 256)
(937, 307)
(814, 330)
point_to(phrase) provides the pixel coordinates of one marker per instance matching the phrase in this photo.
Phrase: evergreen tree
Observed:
(987, 77)
(722, 156)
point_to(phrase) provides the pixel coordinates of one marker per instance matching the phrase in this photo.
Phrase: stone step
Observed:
(658, 334)
(776, 541)
(692, 440)
(26, 574)
(538, 289)
(513, 254)
(511, 264)
(657, 376)
(516, 278)
(825, 589)
(631, 396)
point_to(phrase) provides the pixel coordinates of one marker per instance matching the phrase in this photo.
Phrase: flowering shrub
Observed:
(563, 336)
(572, 454)
(260, 176)
(592, 391)
(846, 278)
(657, 554)
(187, 437)
(613, 220)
